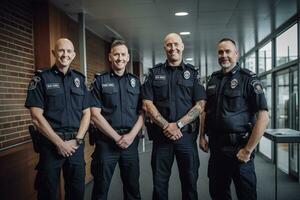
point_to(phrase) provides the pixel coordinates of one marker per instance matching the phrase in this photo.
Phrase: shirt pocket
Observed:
(110, 97)
(160, 89)
(77, 98)
(133, 96)
(233, 100)
(185, 89)
(56, 100)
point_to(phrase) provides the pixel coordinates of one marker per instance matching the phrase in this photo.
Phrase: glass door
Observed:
(286, 116)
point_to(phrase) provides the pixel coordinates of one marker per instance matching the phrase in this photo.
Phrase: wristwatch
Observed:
(79, 141)
(179, 124)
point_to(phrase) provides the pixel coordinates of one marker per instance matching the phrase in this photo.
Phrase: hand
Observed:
(172, 131)
(125, 141)
(203, 143)
(243, 155)
(67, 148)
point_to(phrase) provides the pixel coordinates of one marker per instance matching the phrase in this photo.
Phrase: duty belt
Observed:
(122, 131)
(67, 135)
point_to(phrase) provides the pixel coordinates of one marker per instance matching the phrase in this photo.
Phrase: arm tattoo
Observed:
(192, 114)
(160, 121)
(156, 116)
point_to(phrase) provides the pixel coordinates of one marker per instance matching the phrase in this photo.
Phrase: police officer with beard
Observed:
(236, 116)
(173, 98)
(59, 106)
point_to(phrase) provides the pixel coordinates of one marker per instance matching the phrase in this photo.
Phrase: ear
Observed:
(182, 46)
(128, 57)
(53, 53)
(109, 57)
(74, 54)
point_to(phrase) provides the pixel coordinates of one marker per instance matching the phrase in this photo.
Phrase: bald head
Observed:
(64, 53)
(174, 47)
(64, 41)
(172, 36)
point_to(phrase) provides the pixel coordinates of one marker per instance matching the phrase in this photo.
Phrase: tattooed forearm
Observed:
(160, 121)
(154, 114)
(193, 113)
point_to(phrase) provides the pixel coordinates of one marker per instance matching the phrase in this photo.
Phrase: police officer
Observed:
(234, 97)
(116, 112)
(173, 98)
(59, 106)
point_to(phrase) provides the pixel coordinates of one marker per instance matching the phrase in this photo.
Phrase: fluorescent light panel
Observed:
(180, 14)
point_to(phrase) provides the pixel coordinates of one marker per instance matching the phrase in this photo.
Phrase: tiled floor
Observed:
(287, 187)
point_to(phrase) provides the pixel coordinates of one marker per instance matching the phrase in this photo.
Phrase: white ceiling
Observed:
(144, 24)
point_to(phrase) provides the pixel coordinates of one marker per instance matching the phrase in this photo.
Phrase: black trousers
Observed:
(48, 173)
(188, 164)
(224, 168)
(105, 158)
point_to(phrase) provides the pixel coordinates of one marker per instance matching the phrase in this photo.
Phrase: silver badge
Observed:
(186, 74)
(233, 83)
(77, 82)
(132, 82)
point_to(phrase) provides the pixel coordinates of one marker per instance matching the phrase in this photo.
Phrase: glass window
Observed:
(286, 46)
(265, 145)
(250, 62)
(265, 58)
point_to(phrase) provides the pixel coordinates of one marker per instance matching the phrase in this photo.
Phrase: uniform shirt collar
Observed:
(56, 71)
(181, 66)
(233, 71)
(113, 74)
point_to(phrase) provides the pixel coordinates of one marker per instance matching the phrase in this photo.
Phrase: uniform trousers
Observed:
(105, 158)
(188, 164)
(224, 167)
(48, 173)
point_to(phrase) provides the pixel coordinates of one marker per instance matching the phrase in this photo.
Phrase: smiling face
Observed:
(64, 53)
(227, 55)
(119, 57)
(174, 47)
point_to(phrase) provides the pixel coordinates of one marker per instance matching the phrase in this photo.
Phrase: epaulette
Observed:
(40, 71)
(216, 72)
(248, 72)
(158, 65)
(78, 72)
(135, 76)
(100, 73)
(190, 66)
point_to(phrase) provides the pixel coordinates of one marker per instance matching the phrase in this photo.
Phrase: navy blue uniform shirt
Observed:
(232, 101)
(173, 90)
(62, 97)
(118, 97)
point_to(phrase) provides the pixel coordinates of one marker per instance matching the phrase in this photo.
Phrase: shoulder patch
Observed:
(34, 82)
(257, 86)
(248, 72)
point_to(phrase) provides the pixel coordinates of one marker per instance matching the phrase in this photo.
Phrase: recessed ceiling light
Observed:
(189, 59)
(181, 14)
(184, 33)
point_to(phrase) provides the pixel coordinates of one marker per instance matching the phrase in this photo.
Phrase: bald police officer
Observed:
(173, 98)
(116, 112)
(59, 106)
(236, 117)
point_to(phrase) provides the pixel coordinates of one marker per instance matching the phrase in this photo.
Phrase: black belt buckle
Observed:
(67, 135)
(122, 131)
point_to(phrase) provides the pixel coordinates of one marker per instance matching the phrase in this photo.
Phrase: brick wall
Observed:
(16, 70)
